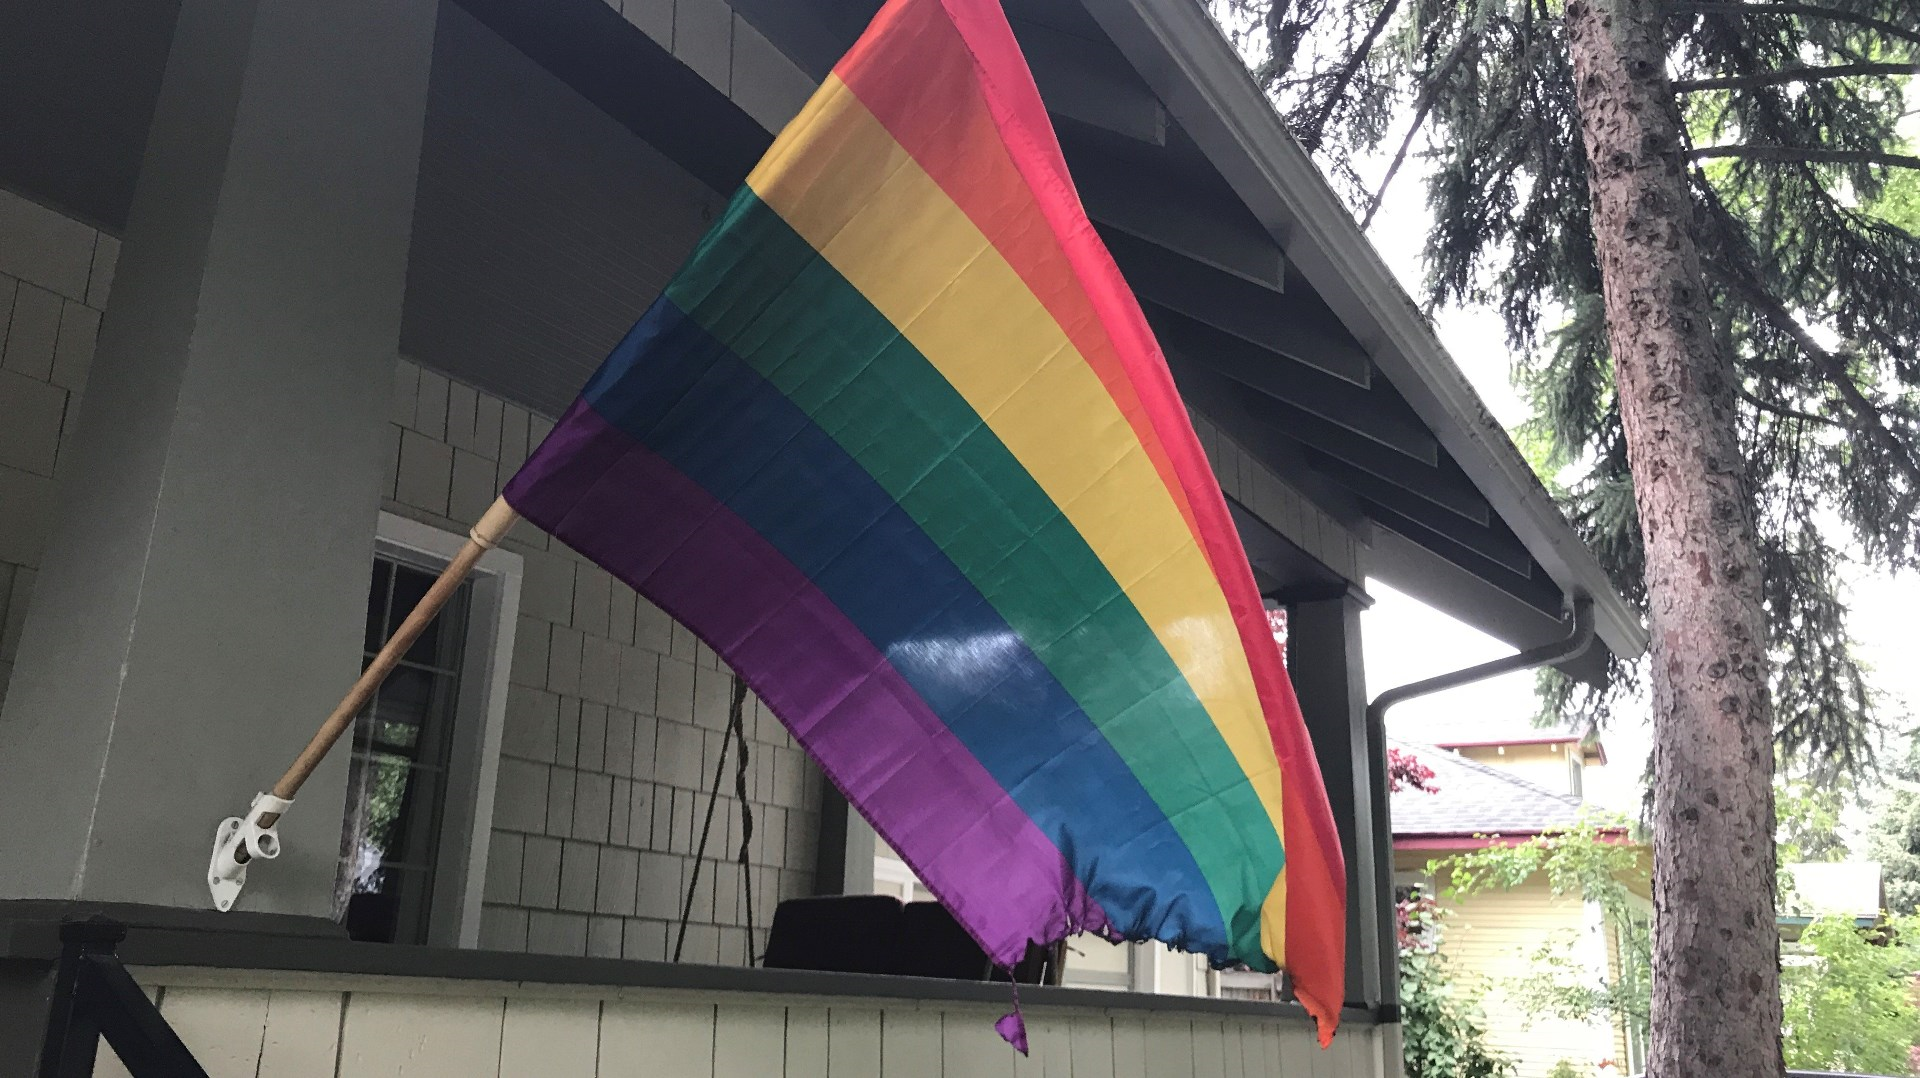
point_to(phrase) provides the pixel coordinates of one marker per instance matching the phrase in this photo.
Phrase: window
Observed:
(397, 780)
(426, 750)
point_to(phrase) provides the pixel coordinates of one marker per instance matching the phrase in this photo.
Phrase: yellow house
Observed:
(1494, 797)
(1555, 760)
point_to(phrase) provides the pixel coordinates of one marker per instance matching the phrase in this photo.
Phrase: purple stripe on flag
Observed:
(617, 502)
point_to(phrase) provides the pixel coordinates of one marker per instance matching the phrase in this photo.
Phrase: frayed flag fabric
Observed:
(897, 443)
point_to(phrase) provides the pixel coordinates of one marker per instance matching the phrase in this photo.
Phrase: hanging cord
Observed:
(746, 809)
(713, 800)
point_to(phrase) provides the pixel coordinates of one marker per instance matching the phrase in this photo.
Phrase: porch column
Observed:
(201, 603)
(1324, 660)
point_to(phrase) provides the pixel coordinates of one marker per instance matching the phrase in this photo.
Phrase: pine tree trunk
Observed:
(1716, 972)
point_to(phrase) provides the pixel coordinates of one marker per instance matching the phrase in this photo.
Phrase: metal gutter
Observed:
(1182, 54)
(1579, 638)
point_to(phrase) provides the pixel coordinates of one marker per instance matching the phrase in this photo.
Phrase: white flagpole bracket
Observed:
(237, 842)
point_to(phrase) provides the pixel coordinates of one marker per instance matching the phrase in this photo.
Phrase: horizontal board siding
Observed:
(1492, 938)
(278, 1025)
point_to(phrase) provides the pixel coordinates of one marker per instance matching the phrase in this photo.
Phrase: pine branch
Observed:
(1311, 136)
(1792, 75)
(1810, 11)
(1867, 419)
(1807, 155)
(1785, 412)
(1429, 96)
(1738, 274)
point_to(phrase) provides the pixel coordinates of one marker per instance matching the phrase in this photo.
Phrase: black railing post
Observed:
(95, 997)
(73, 1036)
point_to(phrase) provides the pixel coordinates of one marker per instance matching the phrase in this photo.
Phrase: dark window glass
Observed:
(396, 785)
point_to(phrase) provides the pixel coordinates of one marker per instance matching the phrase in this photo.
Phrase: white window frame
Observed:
(473, 765)
(892, 877)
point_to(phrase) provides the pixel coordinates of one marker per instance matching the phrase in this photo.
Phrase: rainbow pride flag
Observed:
(898, 444)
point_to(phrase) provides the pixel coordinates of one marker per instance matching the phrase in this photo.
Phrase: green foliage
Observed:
(1809, 820)
(1807, 202)
(1443, 1033)
(1899, 202)
(1895, 838)
(1591, 862)
(1849, 999)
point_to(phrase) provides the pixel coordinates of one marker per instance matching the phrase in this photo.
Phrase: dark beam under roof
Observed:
(1491, 539)
(1142, 191)
(1294, 324)
(1281, 567)
(1376, 412)
(1087, 80)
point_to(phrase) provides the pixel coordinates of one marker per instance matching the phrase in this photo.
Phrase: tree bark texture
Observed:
(1716, 972)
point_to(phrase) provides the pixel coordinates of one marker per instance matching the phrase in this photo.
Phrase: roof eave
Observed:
(1177, 48)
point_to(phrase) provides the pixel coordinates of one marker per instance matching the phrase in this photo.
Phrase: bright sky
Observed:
(1406, 640)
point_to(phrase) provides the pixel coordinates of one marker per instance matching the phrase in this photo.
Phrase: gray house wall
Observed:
(542, 228)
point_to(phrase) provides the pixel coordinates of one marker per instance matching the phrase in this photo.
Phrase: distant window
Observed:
(1576, 774)
(1409, 885)
(402, 747)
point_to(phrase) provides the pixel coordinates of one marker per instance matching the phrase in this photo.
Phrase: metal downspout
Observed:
(1578, 640)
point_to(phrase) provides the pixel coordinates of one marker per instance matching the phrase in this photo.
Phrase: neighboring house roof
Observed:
(1471, 800)
(1590, 748)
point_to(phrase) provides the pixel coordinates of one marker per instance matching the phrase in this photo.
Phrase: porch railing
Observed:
(94, 997)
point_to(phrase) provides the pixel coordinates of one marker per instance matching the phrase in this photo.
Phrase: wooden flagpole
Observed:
(243, 842)
(486, 534)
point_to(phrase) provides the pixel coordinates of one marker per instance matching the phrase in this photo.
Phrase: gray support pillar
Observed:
(201, 603)
(1324, 660)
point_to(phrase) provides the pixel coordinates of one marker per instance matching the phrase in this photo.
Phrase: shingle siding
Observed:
(610, 743)
(1262, 492)
(55, 274)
